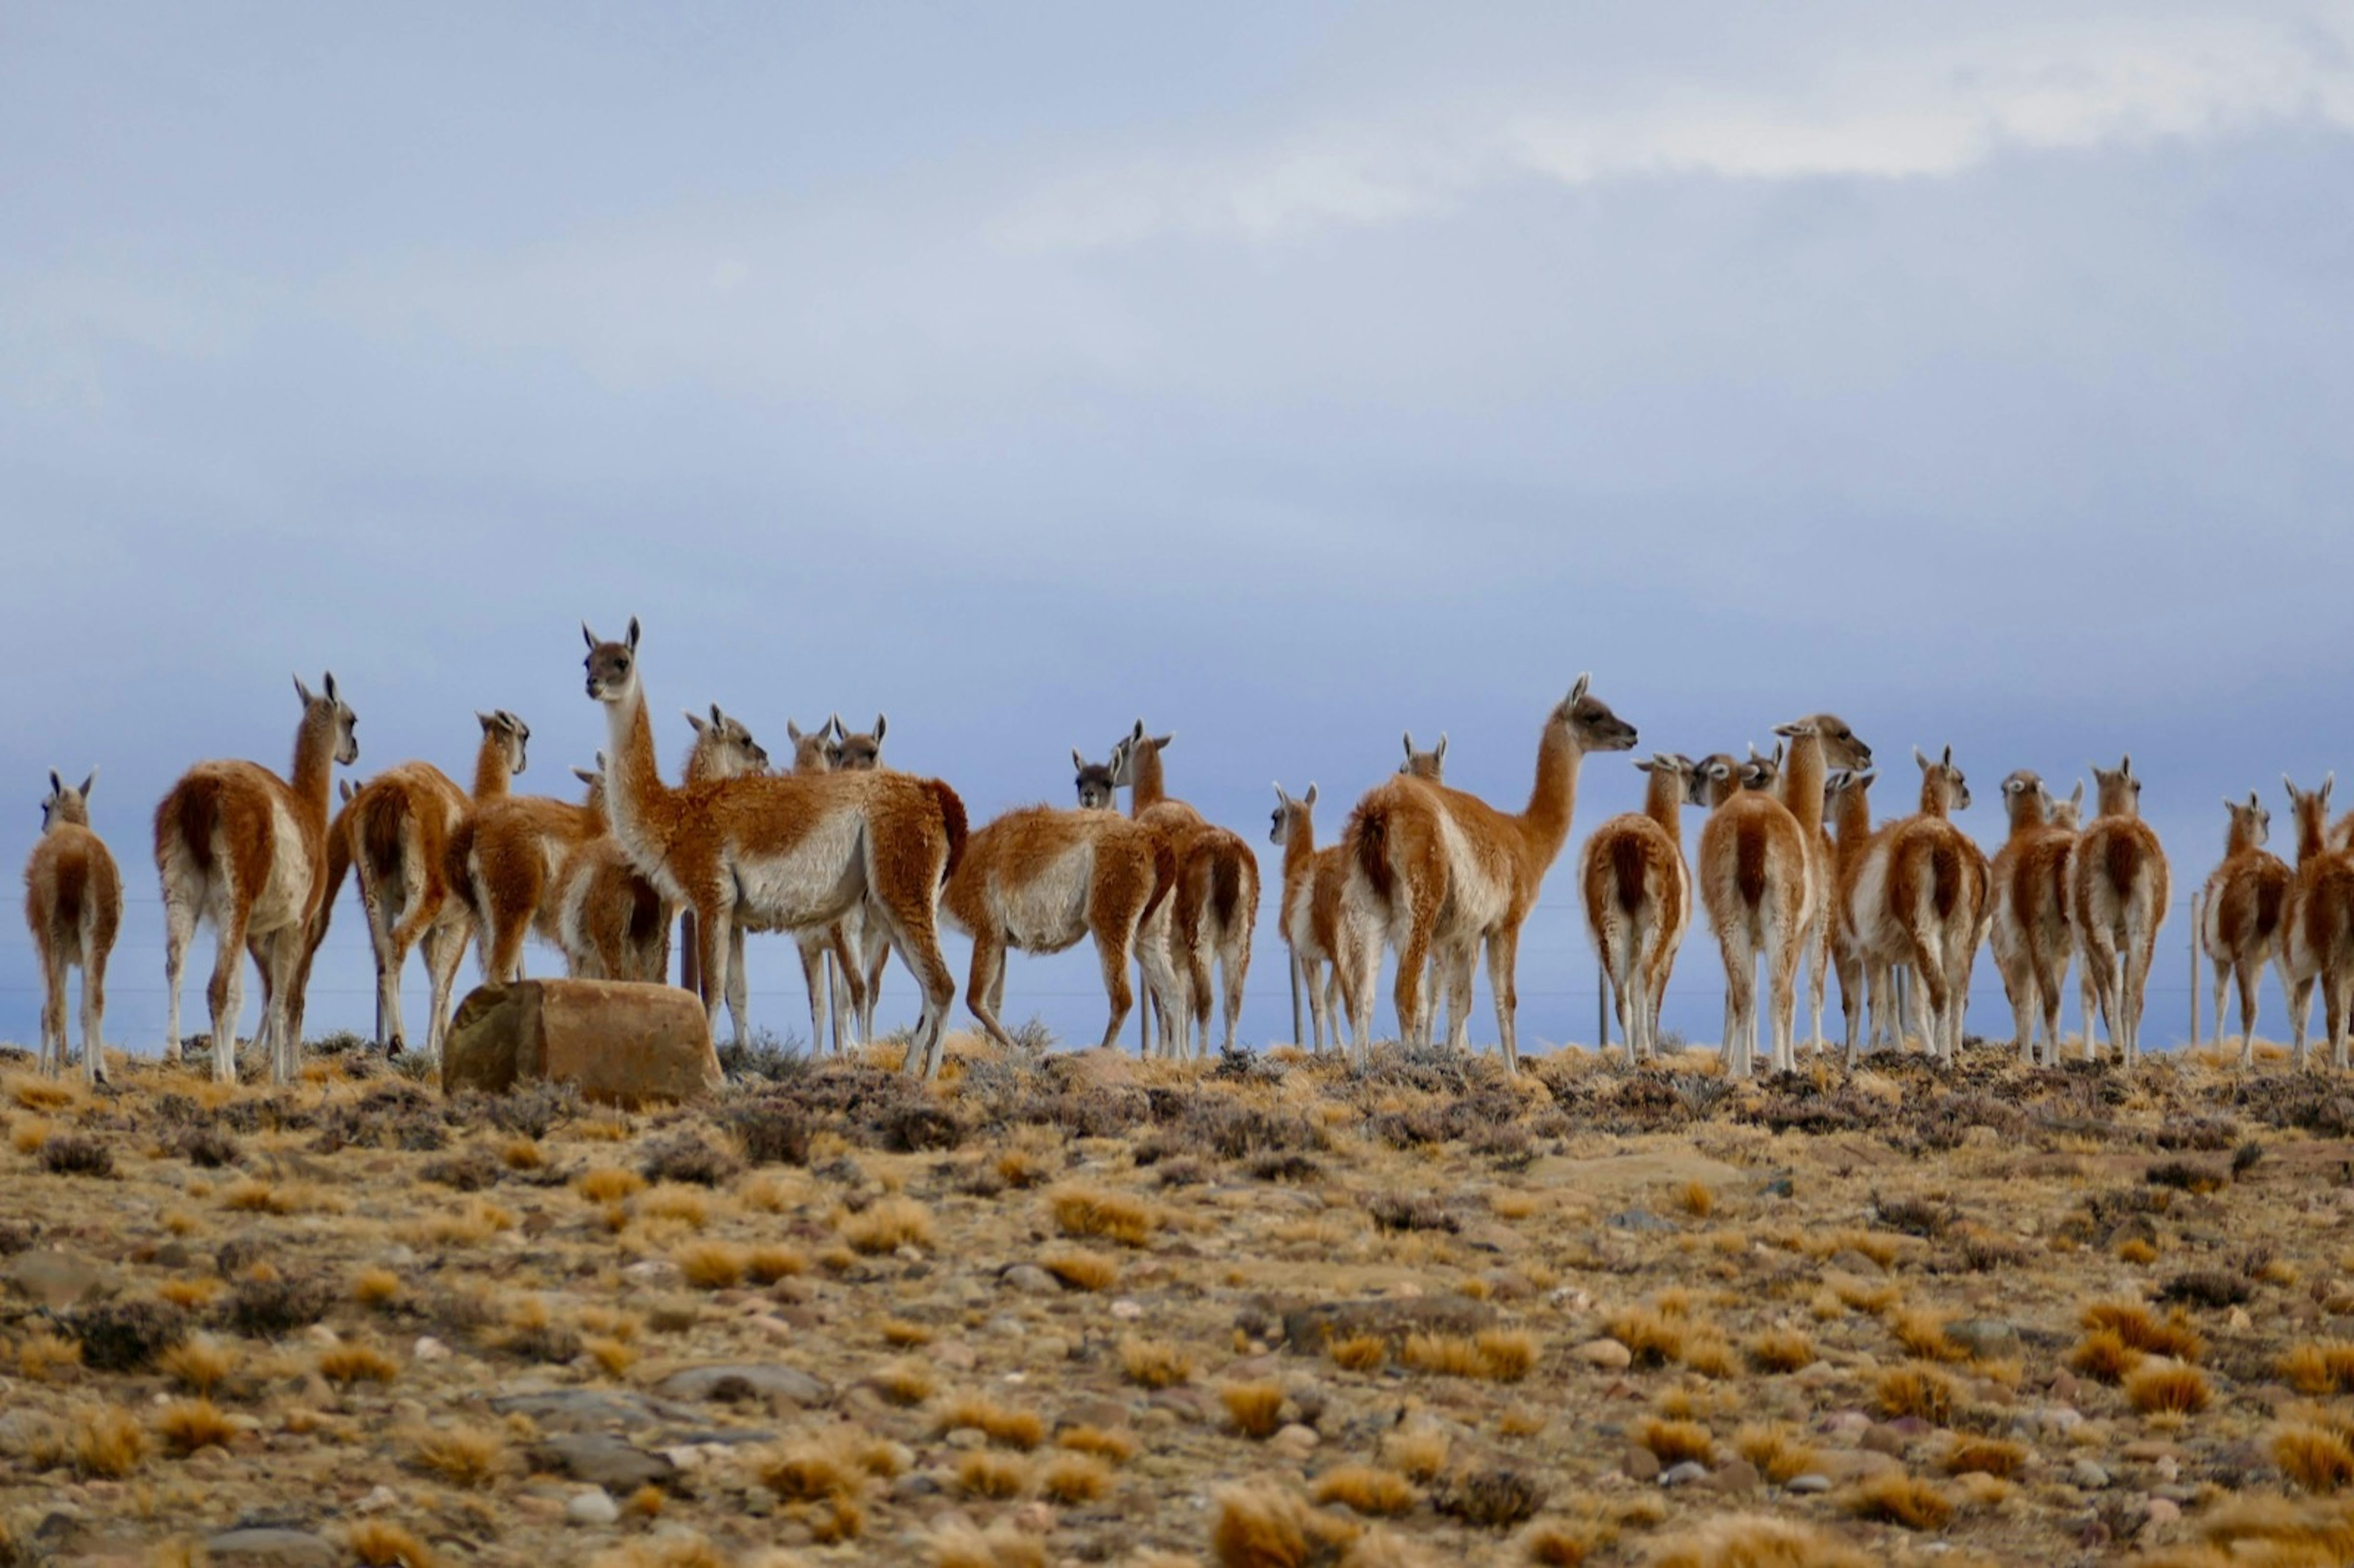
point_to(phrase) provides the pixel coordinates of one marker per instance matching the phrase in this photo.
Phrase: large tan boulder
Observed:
(616, 1042)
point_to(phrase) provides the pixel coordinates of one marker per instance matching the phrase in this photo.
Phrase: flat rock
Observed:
(57, 1278)
(1810, 1482)
(731, 1383)
(1029, 1279)
(1613, 1174)
(1309, 1328)
(1640, 1463)
(590, 1409)
(617, 1042)
(593, 1508)
(277, 1548)
(2086, 1474)
(1685, 1474)
(602, 1460)
(1639, 1220)
(1738, 1477)
(1606, 1353)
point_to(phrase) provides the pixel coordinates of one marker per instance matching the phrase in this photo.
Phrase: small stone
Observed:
(1608, 1354)
(1985, 1338)
(1294, 1442)
(1029, 1279)
(2087, 1476)
(378, 1500)
(2160, 1512)
(1846, 1424)
(1639, 1220)
(1641, 1465)
(760, 1501)
(956, 1355)
(1810, 1482)
(2240, 1319)
(428, 1349)
(277, 1548)
(1683, 1475)
(968, 1437)
(592, 1507)
(1884, 1440)
(1739, 1476)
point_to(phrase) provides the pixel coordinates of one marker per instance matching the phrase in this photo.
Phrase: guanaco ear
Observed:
(1924, 761)
(488, 721)
(301, 690)
(2076, 796)
(2253, 805)
(1719, 771)
(633, 634)
(2327, 780)
(330, 688)
(1577, 692)
(1867, 776)
(833, 725)
(1137, 733)
(89, 783)
(1081, 763)
(2125, 768)
(881, 723)
(1645, 764)
(1947, 760)
(589, 637)
(585, 776)
(1439, 754)
(792, 731)
(57, 785)
(695, 720)
(1309, 799)
(1163, 742)
(1409, 746)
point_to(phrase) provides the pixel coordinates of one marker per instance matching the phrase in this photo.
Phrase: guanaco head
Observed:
(1761, 771)
(2117, 791)
(66, 805)
(2251, 826)
(2068, 813)
(1430, 765)
(1716, 780)
(1293, 815)
(510, 734)
(1591, 724)
(858, 753)
(594, 778)
(1671, 772)
(347, 791)
(1943, 788)
(813, 749)
(1847, 799)
(1843, 747)
(1097, 782)
(2311, 810)
(612, 666)
(1132, 744)
(724, 747)
(2025, 801)
(325, 707)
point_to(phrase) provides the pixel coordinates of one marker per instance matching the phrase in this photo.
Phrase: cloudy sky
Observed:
(1288, 378)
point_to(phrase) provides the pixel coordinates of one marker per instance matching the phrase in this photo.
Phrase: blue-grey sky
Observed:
(1289, 377)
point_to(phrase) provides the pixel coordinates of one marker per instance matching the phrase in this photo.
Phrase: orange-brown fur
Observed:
(2117, 890)
(396, 833)
(1848, 804)
(2316, 945)
(2240, 913)
(1432, 870)
(73, 903)
(1638, 893)
(786, 849)
(1430, 765)
(1214, 908)
(1922, 907)
(721, 744)
(611, 922)
(1762, 772)
(1039, 880)
(246, 850)
(2029, 932)
(506, 857)
(1756, 882)
(1310, 913)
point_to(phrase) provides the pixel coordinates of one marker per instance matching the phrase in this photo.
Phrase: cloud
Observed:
(1921, 108)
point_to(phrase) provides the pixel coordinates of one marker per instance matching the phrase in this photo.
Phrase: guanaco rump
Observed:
(238, 846)
(2117, 890)
(1309, 917)
(1436, 871)
(786, 849)
(73, 902)
(1918, 900)
(2317, 948)
(1637, 896)
(2240, 913)
(1209, 917)
(2031, 934)
(1757, 883)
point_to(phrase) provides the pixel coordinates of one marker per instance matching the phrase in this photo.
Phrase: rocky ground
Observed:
(1260, 1311)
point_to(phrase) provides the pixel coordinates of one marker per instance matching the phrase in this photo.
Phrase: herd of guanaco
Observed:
(858, 862)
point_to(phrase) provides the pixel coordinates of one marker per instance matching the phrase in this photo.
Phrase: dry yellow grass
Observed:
(1418, 1451)
(381, 1543)
(188, 1424)
(345, 1365)
(522, 1154)
(676, 1203)
(1367, 1489)
(1923, 1335)
(198, 1364)
(1106, 1443)
(1675, 1441)
(1780, 1351)
(1254, 1408)
(2132, 1322)
(959, 1544)
(1695, 1199)
(1916, 1390)
(1994, 1456)
(2104, 1357)
(1153, 1363)
(1779, 1449)
(1008, 1426)
(1260, 1525)
(1900, 1499)
(609, 1184)
(2319, 1367)
(2169, 1388)
(2136, 1251)
(460, 1454)
(2314, 1456)
(45, 1357)
(904, 1381)
(1360, 1353)
(1499, 1355)
(888, 1224)
(1093, 1211)
(1653, 1336)
(614, 1357)
(107, 1444)
(1757, 1541)
(1080, 1269)
(988, 1474)
(375, 1288)
(768, 1262)
(1071, 1478)
(712, 1265)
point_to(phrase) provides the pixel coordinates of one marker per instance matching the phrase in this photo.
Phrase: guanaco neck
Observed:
(1802, 777)
(2312, 829)
(1854, 818)
(808, 756)
(491, 771)
(633, 786)
(1553, 799)
(2026, 814)
(314, 761)
(1148, 786)
(1299, 850)
(2117, 799)
(2240, 837)
(1935, 798)
(1663, 802)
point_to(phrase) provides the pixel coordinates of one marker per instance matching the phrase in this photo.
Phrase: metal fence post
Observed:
(1601, 1007)
(2197, 916)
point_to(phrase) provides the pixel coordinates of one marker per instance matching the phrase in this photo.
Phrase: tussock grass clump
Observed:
(1675, 1441)
(45, 1357)
(1780, 1450)
(1653, 1336)
(904, 1381)
(1360, 1353)
(1008, 1426)
(613, 1357)
(687, 1158)
(2104, 1357)
(462, 1454)
(1901, 1500)
(1260, 1525)
(1071, 1478)
(677, 1204)
(888, 1226)
(1103, 1442)
(1088, 1210)
(345, 1365)
(1780, 1351)
(380, 1543)
(956, 1544)
(1994, 1456)
(1551, 1543)
(903, 1334)
(2319, 1367)
(270, 1306)
(199, 1365)
(985, 1474)
(1368, 1489)
(1254, 1408)
(1757, 1541)
(2314, 1456)
(74, 1154)
(107, 1445)
(2132, 1322)
(375, 1288)
(188, 1424)
(1497, 1355)
(768, 1262)
(2169, 1388)
(1916, 1389)
(1695, 1199)
(1419, 1451)
(1153, 1363)
(609, 1184)
(191, 1292)
(1923, 1335)
(712, 1265)
(1080, 1269)
(1488, 1496)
